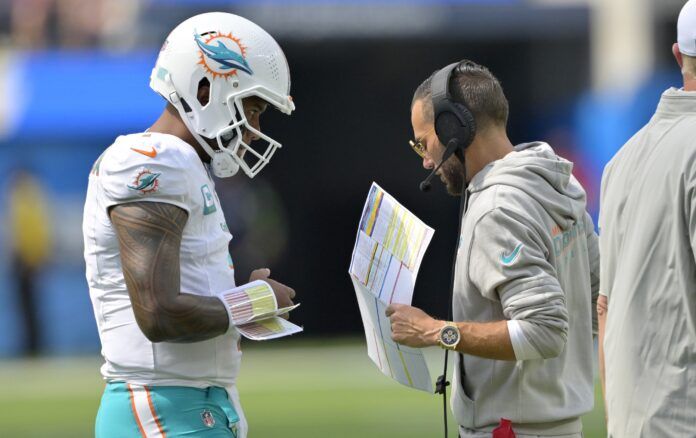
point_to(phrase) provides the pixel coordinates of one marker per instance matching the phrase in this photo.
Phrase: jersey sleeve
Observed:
(129, 175)
(508, 264)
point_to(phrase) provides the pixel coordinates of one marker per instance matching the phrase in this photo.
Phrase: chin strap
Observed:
(222, 163)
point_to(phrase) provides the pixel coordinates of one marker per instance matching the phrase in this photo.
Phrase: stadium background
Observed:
(580, 74)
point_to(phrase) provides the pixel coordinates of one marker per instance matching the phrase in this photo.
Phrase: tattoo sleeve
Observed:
(149, 236)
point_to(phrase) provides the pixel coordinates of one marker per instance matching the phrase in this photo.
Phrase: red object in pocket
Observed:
(504, 430)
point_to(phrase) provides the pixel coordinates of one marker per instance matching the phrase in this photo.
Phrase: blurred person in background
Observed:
(156, 240)
(647, 306)
(29, 20)
(527, 266)
(30, 238)
(74, 23)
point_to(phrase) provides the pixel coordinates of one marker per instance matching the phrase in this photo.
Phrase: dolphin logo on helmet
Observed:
(223, 55)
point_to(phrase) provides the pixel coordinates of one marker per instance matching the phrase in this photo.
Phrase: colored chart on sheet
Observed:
(254, 311)
(389, 247)
(251, 301)
(268, 329)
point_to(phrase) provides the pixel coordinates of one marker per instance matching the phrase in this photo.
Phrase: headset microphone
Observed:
(452, 146)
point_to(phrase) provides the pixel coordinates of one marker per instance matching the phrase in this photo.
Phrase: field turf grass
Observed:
(295, 388)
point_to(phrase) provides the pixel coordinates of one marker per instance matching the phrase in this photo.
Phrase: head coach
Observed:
(526, 265)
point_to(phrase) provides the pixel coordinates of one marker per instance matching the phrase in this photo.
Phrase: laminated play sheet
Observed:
(389, 248)
(254, 311)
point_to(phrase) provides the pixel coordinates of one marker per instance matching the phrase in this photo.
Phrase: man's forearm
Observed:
(486, 339)
(189, 318)
(602, 307)
(413, 327)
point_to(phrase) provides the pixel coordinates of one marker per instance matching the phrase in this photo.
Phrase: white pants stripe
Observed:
(145, 414)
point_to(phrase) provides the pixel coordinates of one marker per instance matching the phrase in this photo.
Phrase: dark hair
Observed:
(474, 86)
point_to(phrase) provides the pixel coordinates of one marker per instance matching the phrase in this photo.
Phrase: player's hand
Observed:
(413, 327)
(283, 293)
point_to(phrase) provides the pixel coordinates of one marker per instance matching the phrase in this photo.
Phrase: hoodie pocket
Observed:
(463, 407)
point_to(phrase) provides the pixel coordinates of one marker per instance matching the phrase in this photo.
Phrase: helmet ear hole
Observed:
(203, 94)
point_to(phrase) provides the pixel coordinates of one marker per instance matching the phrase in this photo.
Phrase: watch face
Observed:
(449, 336)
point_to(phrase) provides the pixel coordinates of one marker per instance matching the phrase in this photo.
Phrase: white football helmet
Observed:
(238, 59)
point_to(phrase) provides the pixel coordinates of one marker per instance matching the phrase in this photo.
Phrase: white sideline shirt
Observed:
(157, 167)
(648, 273)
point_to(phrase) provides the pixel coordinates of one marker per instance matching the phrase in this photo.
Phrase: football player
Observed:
(156, 240)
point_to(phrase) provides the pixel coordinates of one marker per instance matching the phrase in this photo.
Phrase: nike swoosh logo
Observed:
(152, 153)
(507, 259)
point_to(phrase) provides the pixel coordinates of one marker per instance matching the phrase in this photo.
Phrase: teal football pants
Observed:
(129, 410)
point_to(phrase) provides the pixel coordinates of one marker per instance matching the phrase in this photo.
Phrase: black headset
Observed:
(455, 125)
(453, 120)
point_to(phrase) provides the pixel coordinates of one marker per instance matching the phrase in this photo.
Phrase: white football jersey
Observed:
(158, 167)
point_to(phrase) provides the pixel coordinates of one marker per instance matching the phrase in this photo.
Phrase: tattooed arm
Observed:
(149, 236)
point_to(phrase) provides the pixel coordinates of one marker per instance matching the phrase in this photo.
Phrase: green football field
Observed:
(295, 388)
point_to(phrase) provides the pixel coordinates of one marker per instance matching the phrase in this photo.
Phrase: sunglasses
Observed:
(418, 146)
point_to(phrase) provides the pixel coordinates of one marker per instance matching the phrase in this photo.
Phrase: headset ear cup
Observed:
(447, 127)
(453, 120)
(467, 125)
(457, 122)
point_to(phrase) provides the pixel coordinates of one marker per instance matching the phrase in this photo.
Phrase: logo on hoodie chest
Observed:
(564, 241)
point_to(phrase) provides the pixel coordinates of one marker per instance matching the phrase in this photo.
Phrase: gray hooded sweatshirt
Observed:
(528, 252)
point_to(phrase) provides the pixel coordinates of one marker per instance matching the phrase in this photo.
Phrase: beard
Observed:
(452, 175)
